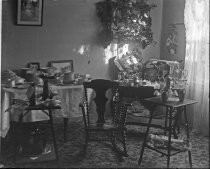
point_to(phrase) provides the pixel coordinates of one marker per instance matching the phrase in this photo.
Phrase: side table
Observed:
(48, 111)
(179, 107)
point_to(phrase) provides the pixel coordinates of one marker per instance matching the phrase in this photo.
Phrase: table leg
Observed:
(16, 142)
(178, 112)
(65, 121)
(145, 138)
(169, 137)
(166, 121)
(186, 126)
(16, 139)
(179, 118)
(53, 134)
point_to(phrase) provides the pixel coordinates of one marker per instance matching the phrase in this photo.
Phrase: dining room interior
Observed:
(104, 84)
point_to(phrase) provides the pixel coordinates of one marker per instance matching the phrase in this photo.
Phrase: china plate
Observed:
(69, 84)
(21, 86)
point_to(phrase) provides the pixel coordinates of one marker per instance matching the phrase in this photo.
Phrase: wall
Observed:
(173, 13)
(67, 24)
(153, 52)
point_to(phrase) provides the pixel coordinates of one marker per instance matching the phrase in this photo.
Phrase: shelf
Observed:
(164, 150)
(143, 115)
(159, 143)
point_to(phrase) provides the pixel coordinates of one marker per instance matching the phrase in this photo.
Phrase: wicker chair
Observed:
(113, 131)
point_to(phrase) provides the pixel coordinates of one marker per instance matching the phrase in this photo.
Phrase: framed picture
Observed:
(29, 12)
(61, 66)
(34, 65)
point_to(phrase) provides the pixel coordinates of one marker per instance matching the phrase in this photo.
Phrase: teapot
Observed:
(68, 77)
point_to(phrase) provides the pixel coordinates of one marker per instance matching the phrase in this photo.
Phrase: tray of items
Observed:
(161, 142)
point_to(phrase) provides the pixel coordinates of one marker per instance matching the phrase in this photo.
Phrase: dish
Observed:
(67, 84)
(21, 86)
(16, 87)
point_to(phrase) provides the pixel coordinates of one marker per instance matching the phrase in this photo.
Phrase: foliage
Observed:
(126, 20)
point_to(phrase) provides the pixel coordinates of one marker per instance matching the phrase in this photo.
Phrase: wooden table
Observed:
(48, 111)
(171, 106)
(70, 96)
(136, 93)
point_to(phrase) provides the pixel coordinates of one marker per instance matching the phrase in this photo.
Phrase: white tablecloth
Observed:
(70, 96)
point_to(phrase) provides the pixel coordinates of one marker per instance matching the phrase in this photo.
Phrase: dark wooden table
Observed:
(171, 107)
(48, 111)
(137, 93)
(140, 92)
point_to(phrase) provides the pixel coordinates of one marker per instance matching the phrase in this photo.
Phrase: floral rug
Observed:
(100, 155)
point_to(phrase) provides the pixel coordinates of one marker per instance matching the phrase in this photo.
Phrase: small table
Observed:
(48, 111)
(8, 94)
(70, 95)
(171, 106)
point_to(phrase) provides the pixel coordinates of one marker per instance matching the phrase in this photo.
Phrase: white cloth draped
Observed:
(70, 97)
(196, 18)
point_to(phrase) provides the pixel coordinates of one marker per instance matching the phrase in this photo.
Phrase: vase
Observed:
(181, 94)
(68, 77)
(164, 96)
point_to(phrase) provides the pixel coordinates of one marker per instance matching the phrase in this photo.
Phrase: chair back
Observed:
(100, 86)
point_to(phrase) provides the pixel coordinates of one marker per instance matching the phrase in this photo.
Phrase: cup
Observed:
(24, 71)
(164, 97)
(87, 76)
(80, 81)
(68, 77)
(45, 69)
(12, 83)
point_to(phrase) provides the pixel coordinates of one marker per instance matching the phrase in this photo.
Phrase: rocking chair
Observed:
(114, 130)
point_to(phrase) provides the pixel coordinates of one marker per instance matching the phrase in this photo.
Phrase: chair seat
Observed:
(106, 126)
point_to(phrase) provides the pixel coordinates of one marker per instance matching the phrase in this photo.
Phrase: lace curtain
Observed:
(197, 62)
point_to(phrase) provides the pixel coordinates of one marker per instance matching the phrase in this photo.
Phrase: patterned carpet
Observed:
(100, 155)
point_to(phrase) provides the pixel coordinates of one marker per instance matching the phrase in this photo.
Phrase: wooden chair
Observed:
(114, 130)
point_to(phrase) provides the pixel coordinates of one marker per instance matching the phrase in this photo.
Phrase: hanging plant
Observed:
(126, 20)
(104, 12)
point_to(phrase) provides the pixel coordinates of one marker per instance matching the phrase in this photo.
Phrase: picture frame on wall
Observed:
(61, 66)
(30, 12)
(34, 65)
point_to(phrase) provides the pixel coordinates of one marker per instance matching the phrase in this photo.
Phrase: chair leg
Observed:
(113, 140)
(124, 143)
(114, 146)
